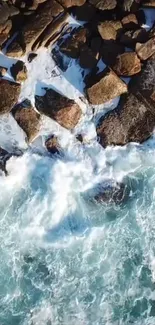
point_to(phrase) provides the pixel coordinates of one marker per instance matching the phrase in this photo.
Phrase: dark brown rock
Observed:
(52, 144)
(130, 21)
(14, 49)
(28, 119)
(71, 3)
(105, 86)
(110, 51)
(60, 108)
(85, 12)
(19, 71)
(148, 3)
(117, 194)
(129, 5)
(72, 45)
(127, 64)
(5, 32)
(9, 93)
(31, 57)
(4, 157)
(104, 4)
(88, 59)
(131, 37)
(145, 50)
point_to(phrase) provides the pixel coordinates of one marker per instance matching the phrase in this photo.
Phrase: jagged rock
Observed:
(3, 71)
(145, 50)
(117, 193)
(85, 12)
(131, 37)
(127, 64)
(107, 31)
(132, 121)
(71, 3)
(31, 57)
(9, 93)
(4, 156)
(88, 59)
(110, 51)
(105, 86)
(60, 108)
(72, 45)
(52, 144)
(27, 118)
(104, 4)
(130, 21)
(19, 71)
(148, 3)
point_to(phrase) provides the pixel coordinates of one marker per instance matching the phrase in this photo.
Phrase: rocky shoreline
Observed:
(112, 32)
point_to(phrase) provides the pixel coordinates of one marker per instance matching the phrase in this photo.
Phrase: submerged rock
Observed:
(105, 86)
(9, 93)
(112, 194)
(72, 45)
(52, 144)
(63, 110)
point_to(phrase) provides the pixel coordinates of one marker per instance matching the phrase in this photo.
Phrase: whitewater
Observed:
(65, 259)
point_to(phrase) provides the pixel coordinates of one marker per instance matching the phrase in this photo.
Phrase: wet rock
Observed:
(9, 93)
(127, 64)
(85, 12)
(72, 45)
(104, 4)
(88, 59)
(130, 21)
(19, 71)
(79, 137)
(117, 194)
(59, 59)
(31, 57)
(28, 119)
(132, 121)
(107, 31)
(71, 3)
(131, 37)
(14, 50)
(105, 86)
(4, 157)
(3, 71)
(110, 51)
(52, 144)
(60, 108)
(145, 50)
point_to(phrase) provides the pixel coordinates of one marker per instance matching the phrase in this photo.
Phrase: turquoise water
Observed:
(66, 260)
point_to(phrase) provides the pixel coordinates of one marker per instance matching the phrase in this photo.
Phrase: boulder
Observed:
(146, 50)
(132, 121)
(85, 12)
(104, 4)
(88, 59)
(14, 49)
(27, 118)
(71, 3)
(63, 110)
(31, 57)
(9, 93)
(110, 51)
(5, 32)
(52, 144)
(19, 71)
(107, 31)
(112, 193)
(127, 64)
(104, 87)
(3, 71)
(129, 5)
(131, 37)
(148, 3)
(72, 45)
(130, 21)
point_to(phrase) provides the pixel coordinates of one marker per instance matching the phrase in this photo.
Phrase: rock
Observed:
(79, 137)
(107, 31)
(130, 21)
(4, 157)
(72, 45)
(60, 108)
(14, 50)
(28, 119)
(117, 194)
(148, 3)
(71, 3)
(9, 93)
(127, 64)
(129, 5)
(104, 4)
(19, 71)
(131, 37)
(110, 51)
(85, 12)
(31, 57)
(145, 50)
(132, 121)
(59, 59)
(95, 46)
(88, 59)
(3, 71)
(5, 32)
(52, 144)
(105, 86)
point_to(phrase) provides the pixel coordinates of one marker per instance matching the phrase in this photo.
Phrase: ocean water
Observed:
(65, 259)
